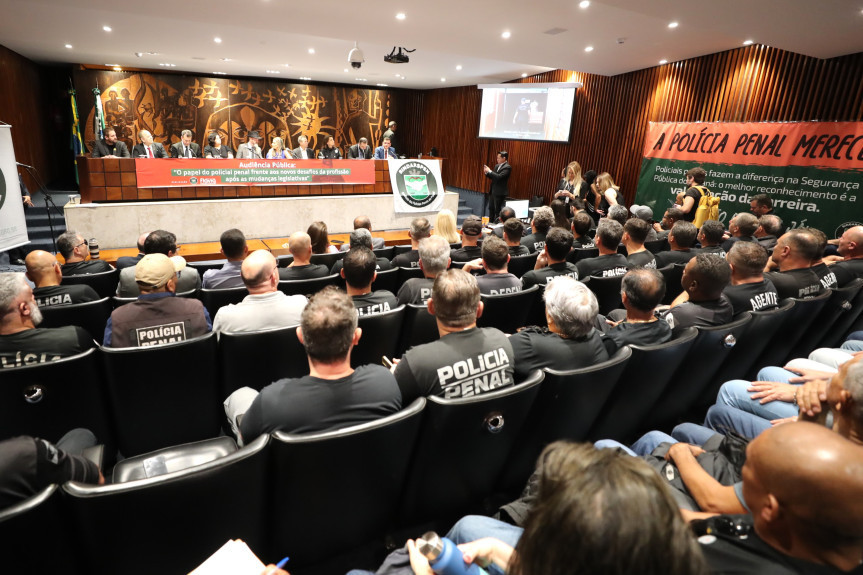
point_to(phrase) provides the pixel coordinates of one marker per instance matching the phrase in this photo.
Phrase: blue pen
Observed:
(283, 562)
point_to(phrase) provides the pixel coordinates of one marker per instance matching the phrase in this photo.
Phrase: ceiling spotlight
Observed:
(443, 79)
(346, 69)
(305, 78)
(663, 62)
(226, 59)
(361, 79)
(220, 73)
(287, 65)
(118, 69)
(400, 16)
(673, 24)
(106, 28)
(166, 65)
(383, 85)
(589, 49)
(457, 67)
(273, 72)
(583, 4)
(69, 46)
(748, 42)
(217, 40)
(524, 75)
(506, 35)
(398, 75)
(311, 50)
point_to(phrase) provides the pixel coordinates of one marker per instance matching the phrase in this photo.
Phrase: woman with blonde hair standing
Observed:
(571, 184)
(445, 226)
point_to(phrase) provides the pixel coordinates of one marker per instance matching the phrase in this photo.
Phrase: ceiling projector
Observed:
(400, 58)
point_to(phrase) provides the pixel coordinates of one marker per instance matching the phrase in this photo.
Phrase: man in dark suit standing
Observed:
(148, 148)
(499, 187)
(186, 148)
(110, 147)
(391, 134)
(360, 151)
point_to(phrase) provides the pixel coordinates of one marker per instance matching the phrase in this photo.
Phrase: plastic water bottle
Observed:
(94, 249)
(445, 557)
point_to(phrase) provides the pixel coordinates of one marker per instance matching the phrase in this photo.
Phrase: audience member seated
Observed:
(768, 231)
(434, 259)
(300, 245)
(420, 230)
(749, 289)
(570, 342)
(680, 240)
(446, 227)
(826, 276)
(761, 205)
(130, 261)
(552, 263)
(110, 147)
(448, 366)
(333, 395)
(29, 464)
(543, 219)
(161, 242)
(513, 232)
(265, 307)
(641, 291)
(496, 280)
(320, 239)
(44, 271)
(618, 213)
(701, 304)
(506, 213)
(359, 272)
(361, 237)
(742, 229)
(608, 263)
(645, 214)
(560, 209)
(363, 222)
(710, 237)
(850, 266)
(21, 342)
(792, 256)
(634, 235)
(579, 206)
(471, 232)
(235, 250)
(581, 224)
(669, 218)
(157, 317)
(75, 251)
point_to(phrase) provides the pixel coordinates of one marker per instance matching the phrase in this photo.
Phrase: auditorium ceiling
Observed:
(457, 42)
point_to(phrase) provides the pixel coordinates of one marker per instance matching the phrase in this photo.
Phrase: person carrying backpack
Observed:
(697, 203)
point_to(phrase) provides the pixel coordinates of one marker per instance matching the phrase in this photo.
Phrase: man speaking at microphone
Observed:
(250, 150)
(498, 189)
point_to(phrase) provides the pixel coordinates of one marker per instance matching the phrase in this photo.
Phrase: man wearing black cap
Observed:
(471, 230)
(251, 150)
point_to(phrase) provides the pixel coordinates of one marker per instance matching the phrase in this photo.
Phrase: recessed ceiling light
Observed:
(166, 65)
(383, 85)
(361, 79)
(747, 42)
(583, 4)
(346, 69)
(663, 62)
(305, 78)
(273, 72)
(400, 16)
(69, 46)
(398, 75)
(673, 24)
(443, 79)
(217, 40)
(287, 65)
(220, 73)
(311, 50)
(457, 67)
(524, 75)
(589, 49)
(506, 35)
(106, 28)
(118, 69)
(227, 59)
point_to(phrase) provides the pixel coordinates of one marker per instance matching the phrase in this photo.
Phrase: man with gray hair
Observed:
(742, 229)
(75, 250)
(434, 259)
(543, 219)
(420, 229)
(608, 263)
(362, 238)
(21, 342)
(185, 148)
(618, 213)
(466, 360)
(768, 231)
(302, 151)
(641, 290)
(571, 341)
(302, 267)
(363, 222)
(334, 394)
(148, 148)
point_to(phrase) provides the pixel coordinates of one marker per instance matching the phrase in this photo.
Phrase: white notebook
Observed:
(232, 558)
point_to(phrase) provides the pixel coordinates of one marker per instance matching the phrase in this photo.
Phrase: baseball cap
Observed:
(154, 270)
(641, 212)
(472, 226)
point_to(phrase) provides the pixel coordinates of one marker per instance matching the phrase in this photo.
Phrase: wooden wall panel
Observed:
(752, 84)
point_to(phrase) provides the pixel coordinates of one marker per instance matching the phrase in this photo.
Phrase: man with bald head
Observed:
(850, 266)
(44, 271)
(148, 148)
(804, 487)
(265, 307)
(302, 268)
(130, 261)
(793, 256)
(363, 222)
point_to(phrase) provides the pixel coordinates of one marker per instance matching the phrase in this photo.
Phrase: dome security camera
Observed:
(356, 57)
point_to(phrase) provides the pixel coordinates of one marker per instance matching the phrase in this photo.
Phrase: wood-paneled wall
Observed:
(756, 83)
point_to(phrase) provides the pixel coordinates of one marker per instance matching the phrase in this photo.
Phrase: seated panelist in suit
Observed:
(185, 148)
(252, 148)
(360, 151)
(109, 147)
(148, 148)
(215, 149)
(385, 152)
(303, 152)
(330, 151)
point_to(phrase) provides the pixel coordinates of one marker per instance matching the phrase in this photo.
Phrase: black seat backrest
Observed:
(418, 327)
(355, 474)
(402, 249)
(673, 274)
(285, 260)
(205, 266)
(388, 252)
(607, 292)
(565, 408)
(579, 254)
(92, 316)
(848, 322)
(213, 299)
(307, 287)
(186, 515)
(48, 399)
(164, 395)
(258, 358)
(797, 321)
(463, 446)
(408, 273)
(520, 265)
(381, 336)
(386, 279)
(833, 316)
(712, 348)
(656, 246)
(327, 259)
(536, 316)
(648, 372)
(508, 312)
(104, 283)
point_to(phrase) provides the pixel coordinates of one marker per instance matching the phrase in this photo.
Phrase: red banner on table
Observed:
(166, 173)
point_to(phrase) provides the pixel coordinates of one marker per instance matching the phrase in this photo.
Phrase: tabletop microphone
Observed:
(25, 166)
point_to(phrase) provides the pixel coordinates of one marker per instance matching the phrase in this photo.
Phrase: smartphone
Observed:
(386, 361)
